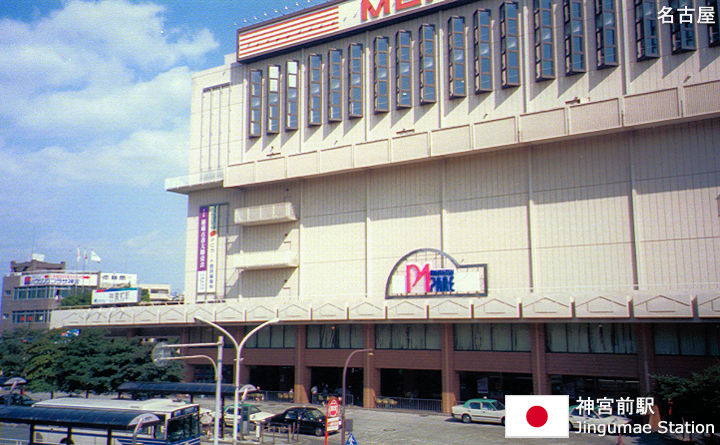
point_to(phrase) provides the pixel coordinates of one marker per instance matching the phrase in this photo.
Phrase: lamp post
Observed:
(160, 357)
(347, 362)
(238, 353)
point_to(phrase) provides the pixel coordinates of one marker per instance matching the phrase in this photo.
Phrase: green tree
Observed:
(694, 398)
(77, 297)
(43, 354)
(14, 346)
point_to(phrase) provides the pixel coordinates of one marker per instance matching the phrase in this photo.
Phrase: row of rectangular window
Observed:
(606, 44)
(40, 292)
(34, 316)
(587, 338)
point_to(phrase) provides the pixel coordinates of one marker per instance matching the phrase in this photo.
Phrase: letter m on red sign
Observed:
(366, 6)
(419, 275)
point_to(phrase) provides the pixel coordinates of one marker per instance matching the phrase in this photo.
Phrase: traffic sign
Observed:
(351, 440)
(333, 408)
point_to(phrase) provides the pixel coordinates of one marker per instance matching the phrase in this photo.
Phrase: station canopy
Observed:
(76, 417)
(174, 388)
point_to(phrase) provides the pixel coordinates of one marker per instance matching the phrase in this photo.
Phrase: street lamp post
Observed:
(160, 358)
(347, 362)
(238, 353)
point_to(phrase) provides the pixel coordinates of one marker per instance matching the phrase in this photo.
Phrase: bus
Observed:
(180, 423)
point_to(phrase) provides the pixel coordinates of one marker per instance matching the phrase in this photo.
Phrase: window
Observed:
(355, 83)
(687, 339)
(403, 63)
(646, 32)
(606, 34)
(456, 56)
(291, 95)
(273, 101)
(255, 103)
(714, 27)
(381, 75)
(682, 30)
(335, 85)
(344, 336)
(407, 336)
(482, 51)
(544, 48)
(574, 37)
(492, 337)
(611, 338)
(273, 337)
(427, 64)
(314, 89)
(509, 44)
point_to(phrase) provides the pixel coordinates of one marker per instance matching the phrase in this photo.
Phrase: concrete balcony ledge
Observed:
(616, 306)
(195, 181)
(265, 214)
(577, 119)
(280, 259)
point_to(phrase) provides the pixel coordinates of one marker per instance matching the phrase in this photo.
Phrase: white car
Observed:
(480, 410)
(591, 417)
(253, 413)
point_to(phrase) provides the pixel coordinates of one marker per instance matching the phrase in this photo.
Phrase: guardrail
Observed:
(408, 403)
(320, 399)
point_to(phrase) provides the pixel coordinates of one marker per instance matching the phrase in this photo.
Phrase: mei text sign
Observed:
(430, 272)
(298, 29)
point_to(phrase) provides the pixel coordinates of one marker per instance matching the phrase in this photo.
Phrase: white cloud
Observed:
(96, 66)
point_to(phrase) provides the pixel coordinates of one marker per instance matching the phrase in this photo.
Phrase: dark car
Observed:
(310, 420)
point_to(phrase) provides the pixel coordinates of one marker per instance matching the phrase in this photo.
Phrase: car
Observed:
(310, 420)
(591, 417)
(249, 411)
(480, 410)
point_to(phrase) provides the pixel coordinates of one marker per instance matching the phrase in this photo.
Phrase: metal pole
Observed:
(218, 389)
(238, 352)
(344, 396)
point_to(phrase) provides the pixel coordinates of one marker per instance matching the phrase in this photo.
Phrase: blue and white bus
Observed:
(180, 423)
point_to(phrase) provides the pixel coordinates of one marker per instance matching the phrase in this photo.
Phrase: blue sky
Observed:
(94, 116)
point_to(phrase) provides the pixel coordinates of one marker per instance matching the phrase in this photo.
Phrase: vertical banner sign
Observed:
(202, 249)
(212, 245)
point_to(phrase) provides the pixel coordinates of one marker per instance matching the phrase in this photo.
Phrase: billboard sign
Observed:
(321, 22)
(433, 273)
(202, 249)
(59, 279)
(116, 296)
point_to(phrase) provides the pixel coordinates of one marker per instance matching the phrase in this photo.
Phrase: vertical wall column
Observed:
(188, 369)
(371, 375)
(450, 381)
(645, 356)
(302, 372)
(541, 379)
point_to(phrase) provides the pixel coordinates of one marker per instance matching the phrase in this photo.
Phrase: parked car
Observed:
(591, 417)
(310, 420)
(480, 410)
(251, 412)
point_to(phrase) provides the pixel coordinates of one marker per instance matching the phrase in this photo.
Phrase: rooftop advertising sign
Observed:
(433, 273)
(59, 279)
(315, 23)
(115, 296)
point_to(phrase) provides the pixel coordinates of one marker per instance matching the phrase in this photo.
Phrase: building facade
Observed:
(496, 197)
(34, 289)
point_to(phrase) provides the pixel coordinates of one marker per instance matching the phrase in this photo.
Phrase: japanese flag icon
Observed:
(537, 416)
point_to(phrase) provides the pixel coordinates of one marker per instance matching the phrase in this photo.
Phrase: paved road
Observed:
(382, 427)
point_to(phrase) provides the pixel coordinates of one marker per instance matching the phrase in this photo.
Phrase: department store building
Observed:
(497, 197)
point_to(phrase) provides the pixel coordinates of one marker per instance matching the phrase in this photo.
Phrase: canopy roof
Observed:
(76, 417)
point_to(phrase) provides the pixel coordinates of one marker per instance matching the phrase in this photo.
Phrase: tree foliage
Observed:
(77, 297)
(90, 361)
(695, 398)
